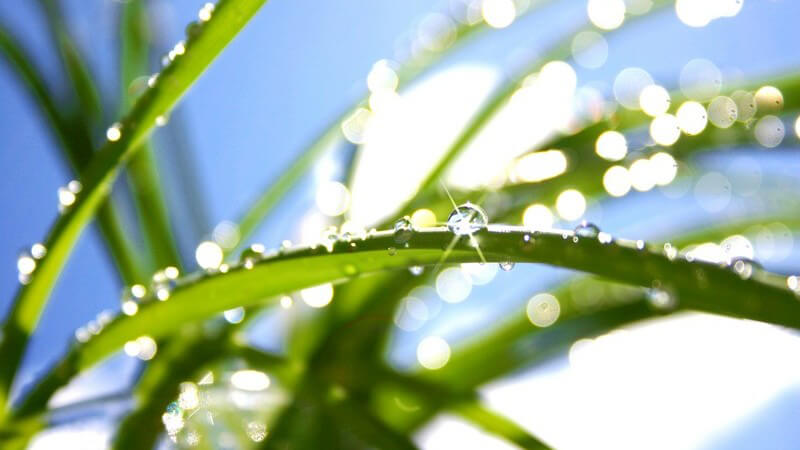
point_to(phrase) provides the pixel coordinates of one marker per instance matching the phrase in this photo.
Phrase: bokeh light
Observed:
(617, 181)
(692, 118)
(665, 129)
(606, 14)
(538, 217)
(611, 145)
(317, 296)
(433, 352)
(543, 310)
(571, 204)
(498, 13)
(333, 198)
(209, 255)
(654, 100)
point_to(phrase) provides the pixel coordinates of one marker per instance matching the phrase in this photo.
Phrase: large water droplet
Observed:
(466, 219)
(587, 230)
(403, 230)
(392, 251)
(507, 265)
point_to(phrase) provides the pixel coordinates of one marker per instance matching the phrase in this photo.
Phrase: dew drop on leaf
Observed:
(403, 230)
(466, 219)
(587, 230)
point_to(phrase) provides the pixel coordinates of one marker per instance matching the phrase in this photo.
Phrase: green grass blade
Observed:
(229, 18)
(83, 85)
(142, 169)
(498, 424)
(466, 403)
(700, 286)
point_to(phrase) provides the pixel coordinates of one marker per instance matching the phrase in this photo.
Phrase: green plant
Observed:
(334, 369)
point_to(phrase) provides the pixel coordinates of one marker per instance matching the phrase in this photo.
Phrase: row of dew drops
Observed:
(114, 132)
(464, 221)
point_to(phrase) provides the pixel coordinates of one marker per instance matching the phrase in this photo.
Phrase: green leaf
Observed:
(230, 16)
(77, 69)
(142, 169)
(699, 286)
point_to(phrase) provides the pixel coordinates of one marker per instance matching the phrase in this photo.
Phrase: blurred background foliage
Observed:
(672, 123)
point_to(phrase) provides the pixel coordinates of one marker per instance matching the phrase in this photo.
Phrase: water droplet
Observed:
(640, 245)
(235, 315)
(114, 132)
(151, 82)
(403, 230)
(661, 299)
(206, 12)
(329, 238)
(173, 419)
(26, 264)
(251, 255)
(466, 219)
(161, 120)
(67, 195)
(82, 335)
(507, 265)
(416, 270)
(392, 251)
(744, 267)
(526, 237)
(38, 250)
(257, 432)
(162, 285)
(587, 230)
(605, 238)
(670, 251)
(130, 307)
(793, 282)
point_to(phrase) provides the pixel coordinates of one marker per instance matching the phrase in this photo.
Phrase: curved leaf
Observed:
(700, 286)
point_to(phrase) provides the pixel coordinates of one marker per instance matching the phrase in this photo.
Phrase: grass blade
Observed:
(77, 150)
(229, 18)
(142, 169)
(701, 286)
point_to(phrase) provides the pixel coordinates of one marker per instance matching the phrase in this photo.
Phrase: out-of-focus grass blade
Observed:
(142, 169)
(77, 151)
(85, 90)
